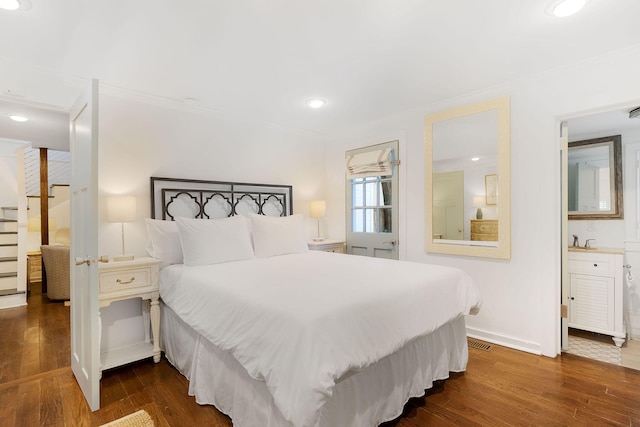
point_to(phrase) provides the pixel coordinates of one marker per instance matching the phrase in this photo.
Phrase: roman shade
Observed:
(369, 163)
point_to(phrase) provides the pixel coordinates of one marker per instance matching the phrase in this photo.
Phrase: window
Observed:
(371, 210)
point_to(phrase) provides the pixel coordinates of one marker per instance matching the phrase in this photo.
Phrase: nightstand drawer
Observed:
(336, 246)
(125, 279)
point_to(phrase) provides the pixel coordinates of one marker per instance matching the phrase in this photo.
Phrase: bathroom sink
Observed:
(582, 248)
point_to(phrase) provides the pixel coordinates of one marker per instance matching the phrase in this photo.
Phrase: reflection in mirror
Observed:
(467, 152)
(595, 179)
(468, 180)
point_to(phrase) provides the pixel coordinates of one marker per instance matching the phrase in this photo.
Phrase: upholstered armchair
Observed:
(56, 266)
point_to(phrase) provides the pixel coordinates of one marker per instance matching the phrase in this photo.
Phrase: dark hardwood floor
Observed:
(501, 387)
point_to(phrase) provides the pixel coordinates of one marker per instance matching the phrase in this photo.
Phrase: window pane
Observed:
(371, 194)
(385, 220)
(357, 223)
(386, 193)
(358, 194)
(370, 220)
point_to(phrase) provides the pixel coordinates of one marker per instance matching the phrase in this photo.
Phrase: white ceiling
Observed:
(261, 60)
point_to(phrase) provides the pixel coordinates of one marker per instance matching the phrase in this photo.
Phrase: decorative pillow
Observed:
(164, 241)
(212, 241)
(278, 235)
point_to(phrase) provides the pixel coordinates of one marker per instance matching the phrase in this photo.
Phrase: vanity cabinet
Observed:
(596, 289)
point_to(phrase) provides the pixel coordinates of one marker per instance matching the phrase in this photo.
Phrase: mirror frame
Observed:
(615, 144)
(466, 247)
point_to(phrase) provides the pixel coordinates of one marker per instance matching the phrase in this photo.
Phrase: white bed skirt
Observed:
(366, 398)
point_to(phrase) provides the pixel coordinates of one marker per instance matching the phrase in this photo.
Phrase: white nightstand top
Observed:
(136, 262)
(324, 242)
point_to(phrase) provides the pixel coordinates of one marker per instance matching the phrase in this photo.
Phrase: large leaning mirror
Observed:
(595, 178)
(468, 180)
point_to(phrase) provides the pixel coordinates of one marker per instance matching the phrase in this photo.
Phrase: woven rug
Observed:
(137, 419)
(595, 350)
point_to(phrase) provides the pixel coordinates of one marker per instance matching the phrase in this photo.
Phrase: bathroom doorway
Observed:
(620, 236)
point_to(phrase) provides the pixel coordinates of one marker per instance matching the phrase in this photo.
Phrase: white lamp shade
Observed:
(478, 201)
(317, 208)
(121, 209)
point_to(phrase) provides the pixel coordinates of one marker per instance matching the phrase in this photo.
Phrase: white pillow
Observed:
(212, 241)
(164, 241)
(278, 235)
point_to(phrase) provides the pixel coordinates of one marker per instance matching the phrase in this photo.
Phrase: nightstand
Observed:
(327, 245)
(137, 278)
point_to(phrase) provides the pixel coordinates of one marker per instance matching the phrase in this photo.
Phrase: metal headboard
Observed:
(172, 197)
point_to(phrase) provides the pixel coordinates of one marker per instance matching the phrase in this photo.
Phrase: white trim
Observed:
(514, 343)
(15, 300)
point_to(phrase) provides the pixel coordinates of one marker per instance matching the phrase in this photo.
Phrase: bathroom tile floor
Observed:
(601, 347)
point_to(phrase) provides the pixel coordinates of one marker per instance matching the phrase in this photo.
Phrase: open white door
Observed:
(85, 341)
(564, 280)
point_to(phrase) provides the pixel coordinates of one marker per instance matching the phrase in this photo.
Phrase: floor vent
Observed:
(479, 345)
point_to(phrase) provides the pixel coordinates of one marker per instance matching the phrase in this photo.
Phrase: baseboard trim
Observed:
(514, 343)
(13, 300)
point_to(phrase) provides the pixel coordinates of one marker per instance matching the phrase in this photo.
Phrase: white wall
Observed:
(8, 174)
(521, 296)
(139, 140)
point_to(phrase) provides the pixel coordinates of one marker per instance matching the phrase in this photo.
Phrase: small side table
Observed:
(34, 268)
(136, 278)
(327, 245)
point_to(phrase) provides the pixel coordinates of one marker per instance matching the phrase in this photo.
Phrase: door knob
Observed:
(393, 242)
(88, 260)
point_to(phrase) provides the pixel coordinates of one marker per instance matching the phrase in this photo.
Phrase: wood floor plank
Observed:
(28, 404)
(74, 407)
(51, 412)
(8, 404)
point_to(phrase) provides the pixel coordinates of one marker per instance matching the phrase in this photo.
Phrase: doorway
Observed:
(613, 236)
(372, 201)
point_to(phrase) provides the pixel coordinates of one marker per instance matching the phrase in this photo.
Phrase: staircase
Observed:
(9, 252)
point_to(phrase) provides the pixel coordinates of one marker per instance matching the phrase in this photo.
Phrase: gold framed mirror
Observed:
(595, 178)
(468, 180)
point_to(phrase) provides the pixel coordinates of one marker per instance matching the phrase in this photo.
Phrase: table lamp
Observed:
(121, 209)
(318, 209)
(478, 202)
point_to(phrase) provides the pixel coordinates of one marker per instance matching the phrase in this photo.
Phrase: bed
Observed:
(272, 334)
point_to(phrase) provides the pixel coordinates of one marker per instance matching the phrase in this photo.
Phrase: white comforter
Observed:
(299, 322)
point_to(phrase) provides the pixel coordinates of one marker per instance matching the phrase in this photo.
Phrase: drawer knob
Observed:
(125, 282)
(595, 265)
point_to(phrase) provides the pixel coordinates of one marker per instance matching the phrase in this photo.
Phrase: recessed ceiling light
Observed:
(9, 4)
(567, 7)
(315, 102)
(15, 4)
(475, 159)
(18, 118)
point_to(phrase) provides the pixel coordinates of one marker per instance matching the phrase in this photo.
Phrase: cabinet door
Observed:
(592, 303)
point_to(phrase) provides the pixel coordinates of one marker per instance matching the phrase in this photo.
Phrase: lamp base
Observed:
(122, 258)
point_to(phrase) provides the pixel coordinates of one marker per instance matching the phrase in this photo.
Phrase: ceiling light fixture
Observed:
(15, 5)
(18, 118)
(9, 4)
(315, 102)
(564, 8)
